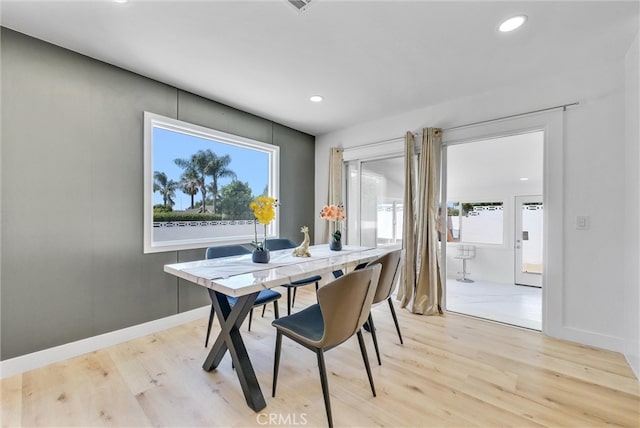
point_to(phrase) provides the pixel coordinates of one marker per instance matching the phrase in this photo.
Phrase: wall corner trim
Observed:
(23, 363)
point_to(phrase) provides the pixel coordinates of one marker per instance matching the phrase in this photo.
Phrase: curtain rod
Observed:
(562, 106)
(417, 134)
(389, 140)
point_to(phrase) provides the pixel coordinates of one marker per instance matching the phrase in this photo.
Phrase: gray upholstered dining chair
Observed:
(264, 297)
(283, 244)
(390, 263)
(343, 307)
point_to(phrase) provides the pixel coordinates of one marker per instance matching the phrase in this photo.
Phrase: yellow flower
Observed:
(263, 208)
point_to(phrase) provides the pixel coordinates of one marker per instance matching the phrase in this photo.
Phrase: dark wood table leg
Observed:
(231, 319)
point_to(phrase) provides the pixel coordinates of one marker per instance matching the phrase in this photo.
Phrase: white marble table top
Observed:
(238, 275)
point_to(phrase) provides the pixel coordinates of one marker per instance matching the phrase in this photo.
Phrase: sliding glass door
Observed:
(375, 190)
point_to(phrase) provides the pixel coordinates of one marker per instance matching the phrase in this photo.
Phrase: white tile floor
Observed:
(507, 303)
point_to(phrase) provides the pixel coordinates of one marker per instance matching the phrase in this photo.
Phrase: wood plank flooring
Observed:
(451, 371)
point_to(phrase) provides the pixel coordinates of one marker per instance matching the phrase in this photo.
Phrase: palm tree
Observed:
(218, 169)
(207, 163)
(166, 187)
(190, 183)
(198, 164)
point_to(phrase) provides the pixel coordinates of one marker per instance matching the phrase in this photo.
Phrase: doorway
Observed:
(495, 238)
(529, 240)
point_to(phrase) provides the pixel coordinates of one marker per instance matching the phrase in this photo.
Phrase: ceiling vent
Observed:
(300, 5)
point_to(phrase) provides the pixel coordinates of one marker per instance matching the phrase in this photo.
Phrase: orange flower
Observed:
(329, 212)
(334, 213)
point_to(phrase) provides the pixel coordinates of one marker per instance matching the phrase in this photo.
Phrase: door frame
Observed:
(551, 122)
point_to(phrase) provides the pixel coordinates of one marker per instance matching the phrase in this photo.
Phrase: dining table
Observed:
(240, 277)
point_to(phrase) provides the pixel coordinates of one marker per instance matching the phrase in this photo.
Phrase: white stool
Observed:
(465, 252)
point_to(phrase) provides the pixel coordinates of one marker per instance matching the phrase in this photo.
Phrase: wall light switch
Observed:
(582, 222)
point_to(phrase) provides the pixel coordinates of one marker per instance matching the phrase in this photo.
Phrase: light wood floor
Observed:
(451, 371)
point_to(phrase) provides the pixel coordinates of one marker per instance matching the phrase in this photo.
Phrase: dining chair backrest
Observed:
(226, 251)
(280, 244)
(390, 268)
(345, 304)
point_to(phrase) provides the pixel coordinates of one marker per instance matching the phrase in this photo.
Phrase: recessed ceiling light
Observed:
(524, 179)
(316, 98)
(512, 23)
(120, 1)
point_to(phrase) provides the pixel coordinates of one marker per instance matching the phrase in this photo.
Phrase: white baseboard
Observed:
(588, 338)
(634, 363)
(23, 363)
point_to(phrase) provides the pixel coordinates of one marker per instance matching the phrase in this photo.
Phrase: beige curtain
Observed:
(335, 185)
(408, 278)
(422, 286)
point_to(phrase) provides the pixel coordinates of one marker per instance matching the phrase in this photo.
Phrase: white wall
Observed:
(593, 185)
(632, 210)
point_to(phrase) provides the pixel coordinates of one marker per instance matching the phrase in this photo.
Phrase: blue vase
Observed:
(335, 245)
(260, 256)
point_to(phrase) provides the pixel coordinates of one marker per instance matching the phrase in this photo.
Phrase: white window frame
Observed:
(151, 121)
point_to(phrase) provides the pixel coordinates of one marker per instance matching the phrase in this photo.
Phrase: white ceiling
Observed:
(369, 59)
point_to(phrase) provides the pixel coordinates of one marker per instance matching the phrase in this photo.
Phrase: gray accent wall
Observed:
(72, 262)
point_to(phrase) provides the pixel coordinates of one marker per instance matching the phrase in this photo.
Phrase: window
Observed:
(476, 222)
(198, 184)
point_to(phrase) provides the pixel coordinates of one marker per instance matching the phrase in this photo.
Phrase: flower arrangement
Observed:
(335, 214)
(263, 208)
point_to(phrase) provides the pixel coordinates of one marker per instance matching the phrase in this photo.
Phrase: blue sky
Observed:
(250, 165)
